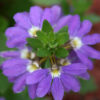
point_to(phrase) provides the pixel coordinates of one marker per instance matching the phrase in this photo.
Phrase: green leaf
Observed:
(4, 85)
(87, 86)
(43, 52)
(47, 27)
(64, 29)
(47, 63)
(34, 43)
(42, 36)
(61, 53)
(92, 17)
(62, 38)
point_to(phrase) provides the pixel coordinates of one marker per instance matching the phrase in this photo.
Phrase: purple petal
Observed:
(22, 19)
(57, 89)
(10, 54)
(85, 76)
(85, 28)
(47, 15)
(56, 13)
(91, 52)
(32, 91)
(16, 31)
(14, 67)
(84, 59)
(11, 63)
(36, 76)
(16, 42)
(70, 82)
(36, 15)
(62, 22)
(91, 39)
(44, 86)
(75, 69)
(19, 84)
(74, 25)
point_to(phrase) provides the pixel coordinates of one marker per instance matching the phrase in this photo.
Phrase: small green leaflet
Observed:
(43, 52)
(62, 38)
(42, 36)
(47, 27)
(34, 43)
(61, 53)
(64, 29)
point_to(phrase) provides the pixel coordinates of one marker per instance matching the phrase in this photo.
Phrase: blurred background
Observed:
(87, 9)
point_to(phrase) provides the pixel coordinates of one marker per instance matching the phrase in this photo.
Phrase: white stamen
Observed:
(76, 43)
(55, 73)
(25, 54)
(32, 67)
(32, 31)
(65, 62)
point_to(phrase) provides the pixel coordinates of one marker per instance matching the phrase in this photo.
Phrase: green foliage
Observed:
(80, 6)
(62, 38)
(43, 52)
(4, 85)
(47, 27)
(61, 53)
(46, 2)
(87, 86)
(3, 26)
(34, 43)
(93, 18)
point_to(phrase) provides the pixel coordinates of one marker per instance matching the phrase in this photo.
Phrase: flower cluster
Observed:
(52, 52)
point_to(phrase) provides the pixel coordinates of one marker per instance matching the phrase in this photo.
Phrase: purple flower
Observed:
(19, 66)
(59, 80)
(27, 24)
(81, 42)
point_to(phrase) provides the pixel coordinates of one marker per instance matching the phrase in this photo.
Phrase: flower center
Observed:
(32, 31)
(25, 54)
(32, 67)
(76, 43)
(55, 72)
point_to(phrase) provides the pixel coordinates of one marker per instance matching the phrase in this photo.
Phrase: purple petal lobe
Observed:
(70, 82)
(10, 54)
(56, 13)
(14, 67)
(85, 76)
(32, 91)
(19, 84)
(91, 39)
(57, 89)
(62, 22)
(22, 19)
(16, 31)
(44, 86)
(91, 52)
(85, 28)
(36, 15)
(75, 69)
(74, 25)
(84, 59)
(36, 76)
(47, 15)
